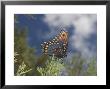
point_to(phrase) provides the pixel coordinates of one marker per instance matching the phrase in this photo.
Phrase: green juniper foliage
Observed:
(22, 70)
(52, 68)
(78, 66)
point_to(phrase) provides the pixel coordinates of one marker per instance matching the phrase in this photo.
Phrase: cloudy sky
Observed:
(82, 29)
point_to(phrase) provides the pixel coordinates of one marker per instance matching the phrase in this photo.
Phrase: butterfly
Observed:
(56, 46)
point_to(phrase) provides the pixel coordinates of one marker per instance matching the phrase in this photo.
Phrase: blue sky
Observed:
(81, 28)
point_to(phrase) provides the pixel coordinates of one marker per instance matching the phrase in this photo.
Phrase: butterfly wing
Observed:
(57, 46)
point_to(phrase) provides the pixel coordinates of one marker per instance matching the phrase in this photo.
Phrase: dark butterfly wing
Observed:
(57, 46)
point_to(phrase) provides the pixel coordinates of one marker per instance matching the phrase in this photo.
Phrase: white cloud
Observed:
(84, 25)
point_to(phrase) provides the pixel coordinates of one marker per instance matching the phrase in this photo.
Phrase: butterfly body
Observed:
(57, 46)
